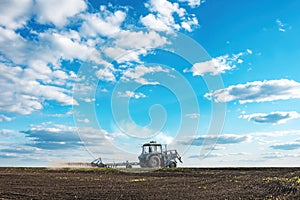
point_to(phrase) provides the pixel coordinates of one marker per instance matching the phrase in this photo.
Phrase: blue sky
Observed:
(217, 80)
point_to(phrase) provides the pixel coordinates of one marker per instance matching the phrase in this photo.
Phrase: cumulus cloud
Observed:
(129, 45)
(105, 23)
(258, 91)
(131, 94)
(131, 129)
(163, 138)
(273, 117)
(51, 48)
(106, 74)
(137, 74)
(18, 54)
(154, 23)
(15, 13)
(22, 93)
(162, 18)
(218, 65)
(35, 72)
(139, 39)
(123, 55)
(218, 139)
(57, 12)
(68, 46)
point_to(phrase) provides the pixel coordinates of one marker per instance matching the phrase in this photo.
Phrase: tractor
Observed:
(154, 156)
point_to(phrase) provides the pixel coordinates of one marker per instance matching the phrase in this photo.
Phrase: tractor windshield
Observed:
(151, 148)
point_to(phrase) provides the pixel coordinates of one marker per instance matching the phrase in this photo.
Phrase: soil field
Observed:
(181, 183)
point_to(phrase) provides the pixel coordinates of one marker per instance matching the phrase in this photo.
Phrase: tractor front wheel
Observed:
(172, 164)
(154, 162)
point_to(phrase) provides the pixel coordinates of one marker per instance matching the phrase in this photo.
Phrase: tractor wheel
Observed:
(172, 164)
(154, 161)
(129, 166)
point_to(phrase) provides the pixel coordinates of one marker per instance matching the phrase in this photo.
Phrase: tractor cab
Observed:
(151, 147)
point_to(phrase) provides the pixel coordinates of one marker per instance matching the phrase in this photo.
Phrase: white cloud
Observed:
(122, 55)
(139, 39)
(4, 118)
(18, 54)
(15, 13)
(258, 91)
(52, 47)
(282, 27)
(193, 3)
(106, 74)
(105, 23)
(273, 117)
(249, 51)
(137, 74)
(67, 114)
(131, 94)
(58, 11)
(85, 120)
(89, 100)
(133, 130)
(163, 139)
(166, 8)
(214, 66)
(155, 23)
(22, 93)
(162, 18)
(129, 45)
(218, 65)
(68, 45)
(193, 115)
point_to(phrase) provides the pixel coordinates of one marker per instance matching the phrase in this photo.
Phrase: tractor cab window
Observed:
(145, 149)
(150, 149)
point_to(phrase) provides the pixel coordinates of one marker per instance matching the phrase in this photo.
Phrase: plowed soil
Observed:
(181, 183)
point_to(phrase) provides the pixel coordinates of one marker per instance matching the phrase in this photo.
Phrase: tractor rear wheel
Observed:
(154, 161)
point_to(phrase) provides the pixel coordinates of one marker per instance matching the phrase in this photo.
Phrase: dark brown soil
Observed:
(182, 183)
